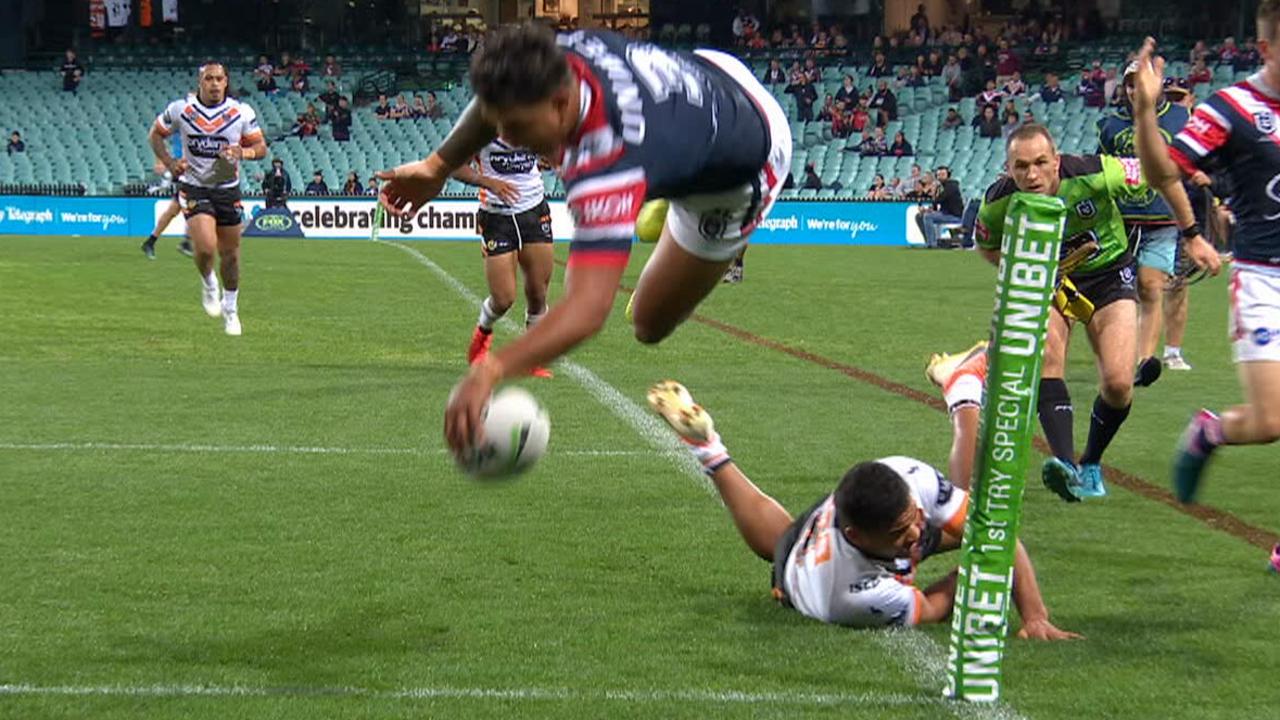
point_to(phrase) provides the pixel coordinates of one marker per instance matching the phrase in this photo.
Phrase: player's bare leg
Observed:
(1257, 422)
(229, 269)
(671, 285)
(1151, 290)
(962, 378)
(204, 238)
(537, 262)
(1175, 326)
(170, 212)
(760, 519)
(500, 275)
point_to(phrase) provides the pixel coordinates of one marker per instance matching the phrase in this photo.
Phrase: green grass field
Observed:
(199, 526)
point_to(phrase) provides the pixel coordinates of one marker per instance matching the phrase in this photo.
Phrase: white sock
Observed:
(965, 390)
(210, 281)
(229, 299)
(1172, 351)
(488, 316)
(531, 320)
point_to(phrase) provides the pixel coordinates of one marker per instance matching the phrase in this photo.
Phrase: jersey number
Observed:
(664, 74)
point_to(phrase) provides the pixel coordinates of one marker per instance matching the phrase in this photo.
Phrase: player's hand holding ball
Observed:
(515, 434)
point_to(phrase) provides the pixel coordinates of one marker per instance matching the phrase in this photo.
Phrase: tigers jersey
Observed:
(828, 579)
(205, 133)
(517, 166)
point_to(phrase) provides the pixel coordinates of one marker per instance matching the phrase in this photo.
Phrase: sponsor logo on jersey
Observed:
(1199, 124)
(605, 209)
(1264, 336)
(206, 146)
(513, 163)
(1086, 209)
(1265, 121)
(865, 584)
(945, 489)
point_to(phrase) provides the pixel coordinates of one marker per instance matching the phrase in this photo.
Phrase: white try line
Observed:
(915, 652)
(712, 697)
(267, 449)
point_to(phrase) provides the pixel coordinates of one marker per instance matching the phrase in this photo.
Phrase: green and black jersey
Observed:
(1091, 185)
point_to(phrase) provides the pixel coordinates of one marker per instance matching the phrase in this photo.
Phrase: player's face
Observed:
(213, 84)
(1033, 164)
(542, 126)
(897, 541)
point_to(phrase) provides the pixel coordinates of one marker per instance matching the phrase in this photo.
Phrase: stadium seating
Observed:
(97, 137)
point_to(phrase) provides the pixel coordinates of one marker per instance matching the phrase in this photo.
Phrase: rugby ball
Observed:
(516, 432)
(653, 215)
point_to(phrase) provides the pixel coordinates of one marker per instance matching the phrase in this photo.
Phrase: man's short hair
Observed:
(871, 497)
(1268, 18)
(518, 65)
(1027, 131)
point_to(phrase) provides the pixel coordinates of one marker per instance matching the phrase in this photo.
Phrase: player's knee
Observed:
(1268, 425)
(1151, 291)
(1117, 389)
(502, 300)
(535, 298)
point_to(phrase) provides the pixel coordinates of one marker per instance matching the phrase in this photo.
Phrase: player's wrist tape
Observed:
(1190, 232)
(712, 454)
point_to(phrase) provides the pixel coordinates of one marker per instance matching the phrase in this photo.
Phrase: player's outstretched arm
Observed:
(1030, 604)
(581, 312)
(939, 599)
(410, 186)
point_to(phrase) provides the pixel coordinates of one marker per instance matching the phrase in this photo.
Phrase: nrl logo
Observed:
(1086, 209)
(1265, 121)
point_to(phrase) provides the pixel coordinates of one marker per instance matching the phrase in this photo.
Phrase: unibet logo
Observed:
(273, 223)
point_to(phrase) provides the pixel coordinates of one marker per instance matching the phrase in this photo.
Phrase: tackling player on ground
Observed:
(1235, 131)
(851, 558)
(217, 132)
(514, 222)
(1100, 291)
(624, 121)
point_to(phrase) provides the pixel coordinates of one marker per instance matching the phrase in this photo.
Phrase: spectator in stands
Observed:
(418, 111)
(880, 68)
(886, 103)
(1028, 118)
(900, 146)
(839, 43)
(72, 71)
(933, 66)
(451, 41)
(1199, 53)
(1093, 86)
(745, 25)
(352, 185)
(987, 123)
(317, 186)
(795, 77)
(991, 96)
(1228, 52)
(331, 67)
(1051, 92)
(341, 121)
(330, 98)
(878, 189)
(307, 124)
(811, 179)
(1007, 62)
(300, 83)
(275, 185)
(434, 111)
(806, 96)
(860, 117)
(915, 79)
(914, 178)
(401, 110)
(812, 72)
(848, 92)
(952, 74)
(382, 110)
(894, 190)
(874, 145)
(828, 107)
(926, 189)
(986, 64)
(15, 143)
(920, 23)
(1014, 86)
(953, 120)
(775, 75)
(1009, 121)
(948, 208)
(264, 76)
(841, 121)
(371, 187)
(1248, 58)
(1200, 74)
(285, 65)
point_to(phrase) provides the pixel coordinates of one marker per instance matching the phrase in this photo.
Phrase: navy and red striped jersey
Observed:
(653, 124)
(1236, 132)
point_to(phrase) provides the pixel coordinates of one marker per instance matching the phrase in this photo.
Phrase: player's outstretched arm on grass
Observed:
(580, 313)
(938, 600)
(1030, 604)
(410, 186)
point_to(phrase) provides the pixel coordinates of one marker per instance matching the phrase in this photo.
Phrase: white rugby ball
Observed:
(516, 432)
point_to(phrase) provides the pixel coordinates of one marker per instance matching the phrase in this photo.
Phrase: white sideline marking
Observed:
(649, 428)
(726, 697)
(269, 449)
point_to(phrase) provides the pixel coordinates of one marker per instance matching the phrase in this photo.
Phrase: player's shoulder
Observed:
(1078, 166)
(1001, 189)
(593, 43)
(925, 480)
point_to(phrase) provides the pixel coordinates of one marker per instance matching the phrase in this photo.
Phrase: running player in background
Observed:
(1090, 185)
(1236, 131)
(217, 132)
(1149, 224)
(625, 121)
(514, 222)
(851, 558)
(168, 185)
(1176, 297)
